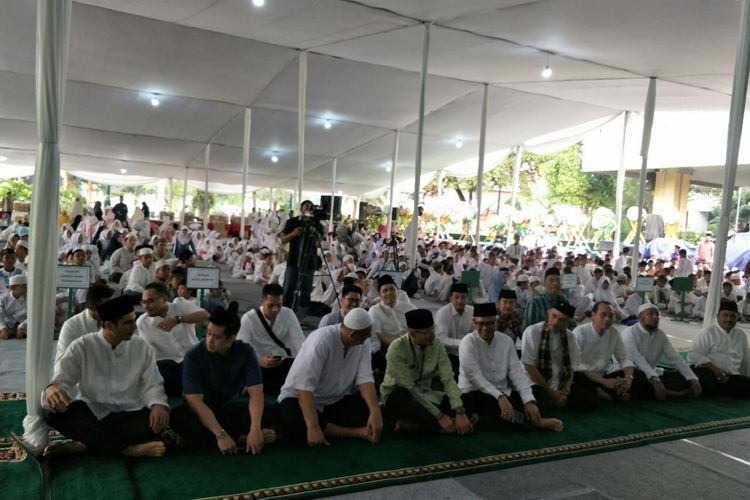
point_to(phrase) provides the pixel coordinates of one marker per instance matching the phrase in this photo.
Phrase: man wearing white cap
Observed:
(86, 321)
(122, 258)
(316, 401)
(524, 293)
(13, 309)
(719, 355)
(22, 251)
(8, 268)
(646, 345)
(142, 274)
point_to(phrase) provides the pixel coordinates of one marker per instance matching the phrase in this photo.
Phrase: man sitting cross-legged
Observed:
(316, 401)
(122, 407)
(169, 328)
(215, 374)
(275, 333)
(87, 321)
(719, 355)
(414, 360)
(646, 345)
(13, 309)
(548, 354)
(489, 365)
(596, 343)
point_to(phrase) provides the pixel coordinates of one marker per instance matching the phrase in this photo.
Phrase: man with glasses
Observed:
(169, 328)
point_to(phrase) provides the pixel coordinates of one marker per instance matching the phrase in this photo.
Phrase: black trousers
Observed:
(671, 379)
(585, 388)
(110, 435)
(171, 372)
(487, 406)
(274, 378)
(291, 275)
(350, 411)
(736, 386)
(233, 417)
(401, 405)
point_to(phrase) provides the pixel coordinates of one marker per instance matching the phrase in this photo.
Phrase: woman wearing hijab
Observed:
(498, 283)
(605, 293)
(183, 241)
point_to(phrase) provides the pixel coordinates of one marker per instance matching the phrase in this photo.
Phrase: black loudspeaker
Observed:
(325, 204)
(650, 181)
(394, 213)
(363, 207)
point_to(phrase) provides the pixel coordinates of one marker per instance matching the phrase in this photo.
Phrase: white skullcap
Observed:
(18, 279)
(358, 319)
(23, 243)
(163, 263)
(645, 307)
(348, 258)
(521, 278)
(145, 251)
(132, 234)
(735, 276)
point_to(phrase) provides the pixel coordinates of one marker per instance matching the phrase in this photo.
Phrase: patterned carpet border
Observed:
(12, 396)
(11, 452)
(328, 487)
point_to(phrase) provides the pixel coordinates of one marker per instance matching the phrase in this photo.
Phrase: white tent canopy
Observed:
(206, 60)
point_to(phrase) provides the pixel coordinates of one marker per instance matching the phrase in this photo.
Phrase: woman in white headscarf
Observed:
(605, 293)
(183, 240)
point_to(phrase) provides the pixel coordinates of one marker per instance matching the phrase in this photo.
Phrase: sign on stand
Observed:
(568, 281)
(73, 278)
(203, 277)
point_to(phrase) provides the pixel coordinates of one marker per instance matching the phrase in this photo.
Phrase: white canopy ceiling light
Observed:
(327, 124)
(3, 158)
(274, 157)
(123, 171)
(547, 72)
(259, 3)
(155, 101)
(459, 143)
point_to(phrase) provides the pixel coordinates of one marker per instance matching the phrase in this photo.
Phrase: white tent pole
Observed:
(171, 193)
(739, 205)
(52, 37)
(245, 166)
(184, 198)
(441, 175)
(391, 194)
(514, 192)
(301, 111)
(620, 188)
(480, 168)
(207, 163)
(255, 200)
(333, 194)
(736, 116)
(648, 121)
(270, 198)
(418, 160)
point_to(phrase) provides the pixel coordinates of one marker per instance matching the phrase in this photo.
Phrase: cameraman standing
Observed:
(302, 254)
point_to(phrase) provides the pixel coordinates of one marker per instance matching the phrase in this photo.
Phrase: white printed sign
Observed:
(568, 281)
(73, 276)
(203, 277)
(644, 283)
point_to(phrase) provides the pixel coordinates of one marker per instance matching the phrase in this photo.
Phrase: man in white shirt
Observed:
(488, 270)
(13, 309)
(87, 321)
(719, 355)
(524, 293)
(142, 273)
(596, 343)
(275, 334)
(169, 328)
(646, 345)
(684, 265)
(122, 408)
(388, 320)
(122, 258)
(453, 321)
(351, 296)
(489, 365)
(548, 354)
(623, 260)
(516, 250)
(316, 401)
(8, 269)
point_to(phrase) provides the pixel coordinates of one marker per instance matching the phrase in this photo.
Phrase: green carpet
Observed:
(397, 459)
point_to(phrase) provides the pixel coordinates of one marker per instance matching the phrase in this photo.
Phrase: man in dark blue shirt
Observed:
(216, 373)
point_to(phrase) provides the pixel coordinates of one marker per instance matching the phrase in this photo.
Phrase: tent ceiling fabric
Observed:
(207, 60)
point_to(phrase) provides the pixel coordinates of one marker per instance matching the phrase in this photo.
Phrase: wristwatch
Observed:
(221, 435)
(178, 319)
(460, 410)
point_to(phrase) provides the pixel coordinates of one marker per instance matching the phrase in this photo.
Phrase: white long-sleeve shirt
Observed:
(451, 327)
(121, 260)
(177, 341)
(286, 328)
(328, 369)
(647, 348)
(727, 350)
(490, 368)
(75, 327)
(389, 321)
(12, 311)
(110, 380)
(140, 277)
(532, 337)
(594, 352)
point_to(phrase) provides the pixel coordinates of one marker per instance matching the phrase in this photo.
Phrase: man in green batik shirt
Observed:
(413, 361)
(538, 307)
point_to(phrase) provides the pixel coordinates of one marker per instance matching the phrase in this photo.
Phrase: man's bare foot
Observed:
(552, 424)
(4, 335)
(269, 436)
(150, 449)
(20, 334)
(63, 448)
